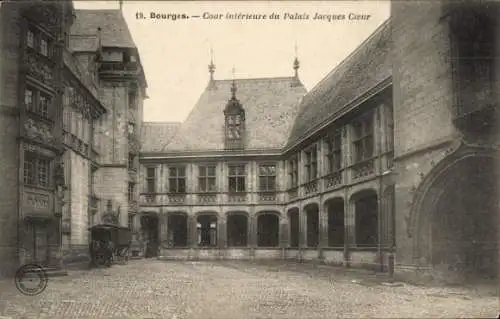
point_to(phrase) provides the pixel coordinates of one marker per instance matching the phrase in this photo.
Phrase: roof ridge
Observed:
(350, 55)
(257, 79)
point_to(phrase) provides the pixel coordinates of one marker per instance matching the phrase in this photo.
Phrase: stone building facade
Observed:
(387, 163)
(58, 119)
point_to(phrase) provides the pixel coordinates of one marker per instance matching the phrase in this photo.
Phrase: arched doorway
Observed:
(268, 230)
(294, 222)
(177, 229)
(150, 233)
(237, 230)
(312, 224)
(457, 219)
(366, 218)
(336, 229)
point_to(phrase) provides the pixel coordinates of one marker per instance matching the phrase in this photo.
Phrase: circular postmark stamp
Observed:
(31, 279)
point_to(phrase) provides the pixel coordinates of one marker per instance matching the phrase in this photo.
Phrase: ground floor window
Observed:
(335, 223)
(294, 228)
(366, 227)
(312, 226)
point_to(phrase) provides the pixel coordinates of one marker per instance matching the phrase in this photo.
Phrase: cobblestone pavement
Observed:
(231, 289)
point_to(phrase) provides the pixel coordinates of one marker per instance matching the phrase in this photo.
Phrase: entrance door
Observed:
(40, 243)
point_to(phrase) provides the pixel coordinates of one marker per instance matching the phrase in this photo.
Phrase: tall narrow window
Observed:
(237, 178)
(311, 165)
(151, 180)
(29, 170)
(44, 47)
(363, 138)
(131, 221)
(43, 105)
(28, 99)
(30, 39)
(267, 177)
(293, 171)
(207, 178)
(43, 166)
(334, 152)
(177, 179)
(132, 99)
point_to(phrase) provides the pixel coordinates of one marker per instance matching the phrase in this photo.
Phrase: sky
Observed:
(175, 53)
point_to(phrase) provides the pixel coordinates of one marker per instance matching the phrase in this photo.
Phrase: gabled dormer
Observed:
(234, 122)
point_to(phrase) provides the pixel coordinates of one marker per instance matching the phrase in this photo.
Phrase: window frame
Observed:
(363, 137)
(180, 188)
(311, 163)
(131, 191)
(204, 180)
(334, 151)
(267, 177)
(239, 178)
(33, 34)
(293, 171)
(151, 186)
(39, 173)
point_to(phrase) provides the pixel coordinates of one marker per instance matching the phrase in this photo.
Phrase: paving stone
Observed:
(235, 289)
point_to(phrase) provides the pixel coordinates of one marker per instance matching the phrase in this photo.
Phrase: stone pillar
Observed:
(349, 233)
(252, 234)
(302, 231)
(192, 239)
(163, 231)
(284, 231)
(323, 229)
(221, 236)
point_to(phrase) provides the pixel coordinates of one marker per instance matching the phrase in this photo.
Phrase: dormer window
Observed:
(235, 122)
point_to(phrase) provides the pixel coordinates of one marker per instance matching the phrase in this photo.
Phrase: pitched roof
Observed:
(271, 105)
(154, 135)
(367, 66)
(114, 29)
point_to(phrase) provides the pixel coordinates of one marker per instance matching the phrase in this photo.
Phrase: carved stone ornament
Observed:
(48, 14)
(38, 131)
(38, 69)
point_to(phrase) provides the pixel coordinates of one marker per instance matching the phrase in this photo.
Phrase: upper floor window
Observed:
(151, 180)
(390, 128)
(36, 170)
(267, 177)
(30, 39)
(66, 118)
(311, 164)
(334, 152)
(207, 178)
(43, 105)
(363, 138)
(29, 99)
(293, 171)
(44, 47)
(177, 179)
(237, 178)
(131, 221)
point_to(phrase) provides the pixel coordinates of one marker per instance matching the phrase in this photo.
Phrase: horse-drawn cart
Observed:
(109, 243)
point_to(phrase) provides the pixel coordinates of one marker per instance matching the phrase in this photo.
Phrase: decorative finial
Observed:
(121, 4)
(211, 66)
(233, 87)
(296, 63)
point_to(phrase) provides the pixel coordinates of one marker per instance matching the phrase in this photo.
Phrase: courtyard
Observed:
(238, 289)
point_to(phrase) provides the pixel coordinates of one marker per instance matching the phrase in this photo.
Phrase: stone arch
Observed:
(454, 216)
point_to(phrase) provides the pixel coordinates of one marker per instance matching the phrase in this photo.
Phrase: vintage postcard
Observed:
(249, 159)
